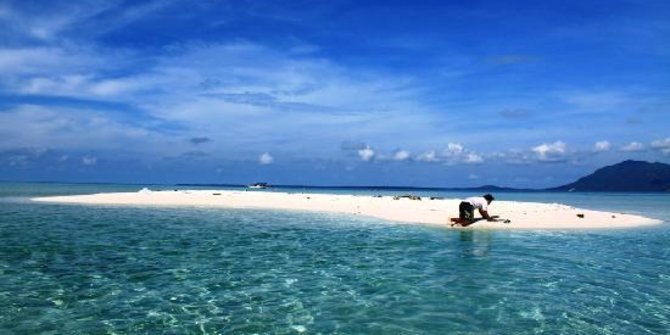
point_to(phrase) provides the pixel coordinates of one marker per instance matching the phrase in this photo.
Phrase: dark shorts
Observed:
(466, 211)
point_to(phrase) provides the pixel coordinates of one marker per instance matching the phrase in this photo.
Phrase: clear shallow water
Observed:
(69, 269)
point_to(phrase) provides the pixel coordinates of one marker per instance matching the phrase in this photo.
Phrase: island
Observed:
(436, 211)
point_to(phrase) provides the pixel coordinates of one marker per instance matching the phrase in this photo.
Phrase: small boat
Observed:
(258, 185)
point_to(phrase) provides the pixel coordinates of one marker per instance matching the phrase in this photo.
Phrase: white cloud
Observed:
(550, 152)
(54, 23)
(262, 97)
(473, 176)
(454, 153)
(44, 61)
(602, 146)
(366, 154)
(250, 89)
(241, 94)
(472, 158)
(453, 149)
(428, 156)
(78, 129)
(662, 145)
(72, 71)
(265, 159)
(401, 155)
(89, 160)
(633, 147)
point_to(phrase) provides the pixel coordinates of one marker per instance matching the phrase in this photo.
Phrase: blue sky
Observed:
(420, 93)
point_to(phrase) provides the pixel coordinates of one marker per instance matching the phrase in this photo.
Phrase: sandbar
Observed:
(522, 215)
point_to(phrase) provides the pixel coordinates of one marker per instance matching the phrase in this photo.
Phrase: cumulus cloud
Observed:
(550, 152)
(453, 149)
(265, 159)
(602, 146)
(662, 145)
(401, 155)
(366, 154)
(454, 153)
(633, 147)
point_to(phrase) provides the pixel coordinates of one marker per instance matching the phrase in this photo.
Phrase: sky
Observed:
(398, 93)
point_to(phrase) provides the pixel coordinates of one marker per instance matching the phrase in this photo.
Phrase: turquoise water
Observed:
(72, 269)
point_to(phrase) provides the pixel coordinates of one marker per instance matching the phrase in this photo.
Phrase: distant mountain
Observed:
(627, 176)
(489, 188)
(485, 188)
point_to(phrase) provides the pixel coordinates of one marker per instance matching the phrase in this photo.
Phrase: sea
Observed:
(100, 269)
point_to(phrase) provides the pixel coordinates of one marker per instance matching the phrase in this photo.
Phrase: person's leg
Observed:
(466, 223)
(466, 214)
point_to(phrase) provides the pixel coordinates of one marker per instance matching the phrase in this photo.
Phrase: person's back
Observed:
(477, 202)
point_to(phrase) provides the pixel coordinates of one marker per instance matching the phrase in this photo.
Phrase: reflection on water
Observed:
(475, 243)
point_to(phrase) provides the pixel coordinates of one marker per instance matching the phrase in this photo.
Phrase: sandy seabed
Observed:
(521, 215)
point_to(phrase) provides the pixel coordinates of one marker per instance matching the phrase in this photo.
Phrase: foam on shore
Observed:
(523, 215)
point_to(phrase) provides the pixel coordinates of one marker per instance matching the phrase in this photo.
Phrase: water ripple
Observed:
(83, 270)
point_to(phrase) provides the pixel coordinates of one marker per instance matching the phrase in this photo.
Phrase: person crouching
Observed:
(466, 210)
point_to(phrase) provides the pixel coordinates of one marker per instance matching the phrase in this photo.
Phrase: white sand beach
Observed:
(522, 215)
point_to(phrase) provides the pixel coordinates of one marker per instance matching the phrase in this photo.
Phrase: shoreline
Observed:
(523, 215)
